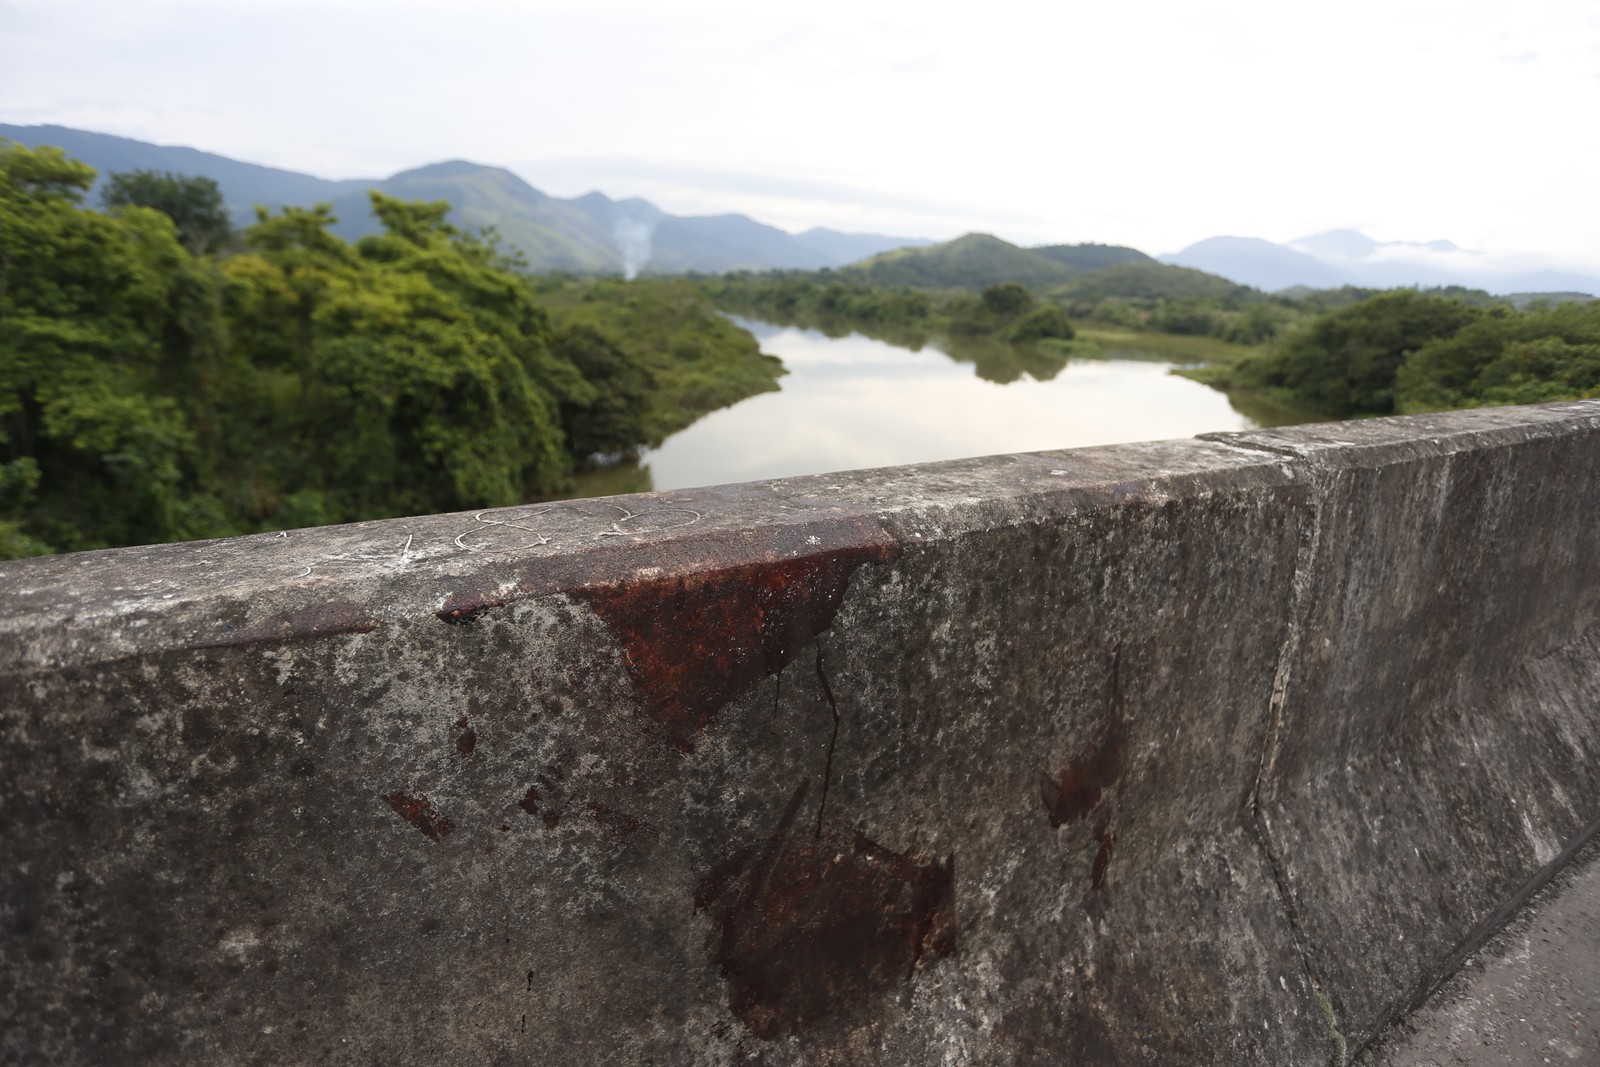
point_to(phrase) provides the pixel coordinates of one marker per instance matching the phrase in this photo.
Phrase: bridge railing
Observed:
(1211, 751)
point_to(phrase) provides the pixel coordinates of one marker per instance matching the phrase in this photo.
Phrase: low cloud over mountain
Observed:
(1348, 257)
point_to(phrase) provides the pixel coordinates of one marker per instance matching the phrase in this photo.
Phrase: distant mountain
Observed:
(590, 233)
(852, 247)
(1257, 263)
(243, 183)
(551, 233)
(1348, 257)
(711, 243)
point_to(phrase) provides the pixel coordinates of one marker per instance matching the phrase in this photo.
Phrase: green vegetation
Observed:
(1405, 351)
(150, 393)
(697, 360)
(1091, 256)
(1344, 363)
(978, 260)
(1008, 311)
(1332, 353)
(1532, 357)
(912, 294)
(193, 204)
(972, 262)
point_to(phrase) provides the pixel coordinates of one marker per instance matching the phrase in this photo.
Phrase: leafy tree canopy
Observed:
(193, 204)
(1345, 362)
(149, 392)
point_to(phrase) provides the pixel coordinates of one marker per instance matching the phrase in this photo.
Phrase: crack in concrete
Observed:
(1257, 826)
(833, 740)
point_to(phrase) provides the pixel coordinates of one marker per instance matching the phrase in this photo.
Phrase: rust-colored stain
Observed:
(824, 925)
(619, 823)
(549, 805)
(530, 801)
(1102, 858)
(533, 803)
(1080, 789)
(694, 642)
(713, 614)
(320, 620)
(419, 813)
(468, 604)
(467, 739)
(717, 880)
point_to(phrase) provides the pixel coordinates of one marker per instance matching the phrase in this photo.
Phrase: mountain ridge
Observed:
(593, 233)
(586, 234)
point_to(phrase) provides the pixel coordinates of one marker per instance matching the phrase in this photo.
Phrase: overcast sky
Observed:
(1153, 124)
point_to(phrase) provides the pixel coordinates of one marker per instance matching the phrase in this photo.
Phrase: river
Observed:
(852, 402)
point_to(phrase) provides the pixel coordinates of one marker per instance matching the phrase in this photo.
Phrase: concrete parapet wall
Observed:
(1220, 751)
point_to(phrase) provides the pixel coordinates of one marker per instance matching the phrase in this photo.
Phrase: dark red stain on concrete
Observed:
(619, 823)
(419, 813)
(530, 801)
(696, 641)
(319, 620)
(702, 618)
(468, 604)
(823, 926)
(467, 739)
(717, 880)
(533, 803)
(1080, 789)
(1102, 858)
(549, 805)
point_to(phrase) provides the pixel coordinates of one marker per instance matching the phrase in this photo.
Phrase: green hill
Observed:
(1091, 256)
(973, 262)
(1148, 281)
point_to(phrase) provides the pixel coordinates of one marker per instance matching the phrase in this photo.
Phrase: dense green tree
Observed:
(193, 204)
(421, 369)
(1504, 357)
(1345, 362)
(604, 418)
(1008, 299)
(1045, 322)
(92, 452)
(150, 394)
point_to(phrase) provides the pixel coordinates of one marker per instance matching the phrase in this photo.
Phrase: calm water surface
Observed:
(855, 402)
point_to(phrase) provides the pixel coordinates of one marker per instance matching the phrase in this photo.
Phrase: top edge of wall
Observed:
(88, 607)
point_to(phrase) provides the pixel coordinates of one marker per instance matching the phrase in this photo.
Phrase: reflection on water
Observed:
(851, 402)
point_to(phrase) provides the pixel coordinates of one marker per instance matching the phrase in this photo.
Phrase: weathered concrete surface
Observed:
(1531, 997)
(955, 763)
(1439, 744)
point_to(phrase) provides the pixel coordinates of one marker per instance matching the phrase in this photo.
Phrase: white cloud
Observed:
(1153, 124)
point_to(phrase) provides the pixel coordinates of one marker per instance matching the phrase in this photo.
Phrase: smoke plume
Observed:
(633, 239)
